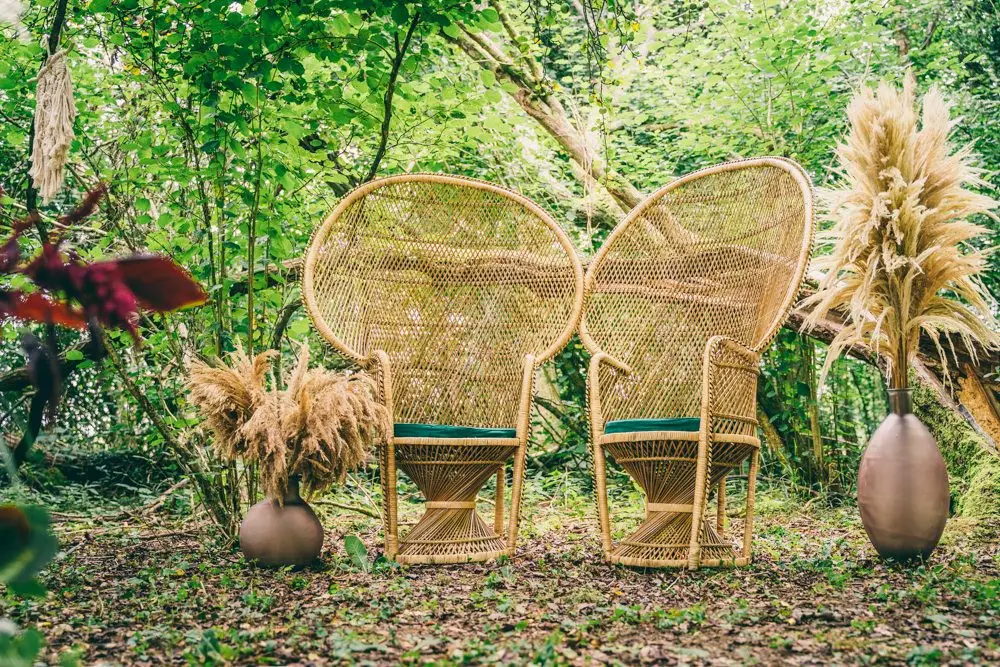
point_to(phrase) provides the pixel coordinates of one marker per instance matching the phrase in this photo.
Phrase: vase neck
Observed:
(901, 401)
(292, 496)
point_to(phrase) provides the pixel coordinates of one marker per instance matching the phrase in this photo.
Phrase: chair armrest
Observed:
(594, 388)
(605, 358)
(378, 363)
(527, 392)
(729, 382)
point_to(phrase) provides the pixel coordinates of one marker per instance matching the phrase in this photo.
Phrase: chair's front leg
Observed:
(390, 493)
(724, 360)
(600, 464)
(704, 461)
(523, 425)
(601, 489)
(720, 517)
(379, 360)
(751, 492)
(498, 523)
(515, 497)
(698, 510)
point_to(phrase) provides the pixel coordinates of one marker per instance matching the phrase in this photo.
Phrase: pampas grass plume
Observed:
(319, 428)
(900, 261)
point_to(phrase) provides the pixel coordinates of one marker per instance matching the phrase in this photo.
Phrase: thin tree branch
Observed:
(390, 91)
(536, 68)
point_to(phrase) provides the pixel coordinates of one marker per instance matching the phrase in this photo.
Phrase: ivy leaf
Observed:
(271, 21)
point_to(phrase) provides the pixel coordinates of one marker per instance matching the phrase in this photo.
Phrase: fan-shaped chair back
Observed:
(456, 280)
(718, 252)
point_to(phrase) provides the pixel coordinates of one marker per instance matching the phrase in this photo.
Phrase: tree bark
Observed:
(532, 94)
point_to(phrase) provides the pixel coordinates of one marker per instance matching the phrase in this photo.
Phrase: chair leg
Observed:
(389, 489)
(751, 492)
(515, 497)
(720, 517)
(498, 502)
(698, 510)
(601, 488)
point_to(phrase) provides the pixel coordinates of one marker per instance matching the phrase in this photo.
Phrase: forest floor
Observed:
(158, 589)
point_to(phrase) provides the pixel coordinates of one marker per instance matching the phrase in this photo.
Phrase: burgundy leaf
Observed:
(39, 308)
(51, 271)
(104, 293)
(86, 207)
(159, 283)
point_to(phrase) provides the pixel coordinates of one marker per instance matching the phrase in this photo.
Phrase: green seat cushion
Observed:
(690, 424)
(443, 431)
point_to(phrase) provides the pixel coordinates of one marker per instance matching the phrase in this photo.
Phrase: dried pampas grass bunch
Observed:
(900, 261)
(317, 429)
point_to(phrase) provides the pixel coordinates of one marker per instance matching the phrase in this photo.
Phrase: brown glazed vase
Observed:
(281, 535)
(903, 489)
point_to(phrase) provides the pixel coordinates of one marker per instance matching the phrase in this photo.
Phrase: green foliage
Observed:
(21, 649)
(982, 497)
(561, 426)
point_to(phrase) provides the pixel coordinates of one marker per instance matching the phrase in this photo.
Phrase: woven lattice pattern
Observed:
(681, 300)
(453, 474)
(447, 287)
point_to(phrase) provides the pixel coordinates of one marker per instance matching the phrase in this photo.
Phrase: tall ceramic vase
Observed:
(280, 535)
(903, 489)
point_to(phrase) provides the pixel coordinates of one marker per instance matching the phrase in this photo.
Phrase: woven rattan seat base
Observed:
(663, 540)
(450, 536)
(665, 469)
(451, 473)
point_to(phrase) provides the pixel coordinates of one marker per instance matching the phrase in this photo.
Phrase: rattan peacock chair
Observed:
(680, 301)
(451, 291)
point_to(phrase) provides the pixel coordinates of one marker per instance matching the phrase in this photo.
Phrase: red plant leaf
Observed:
(159, 284)
(40, 308)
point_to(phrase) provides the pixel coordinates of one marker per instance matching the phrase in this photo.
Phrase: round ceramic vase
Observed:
(282, 535)
(903, 491)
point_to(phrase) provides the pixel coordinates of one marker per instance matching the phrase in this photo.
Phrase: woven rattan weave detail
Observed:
(680, 301)
(452, 291)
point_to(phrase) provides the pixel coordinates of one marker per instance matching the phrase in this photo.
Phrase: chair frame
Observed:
(722, 356)
(378, 363)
